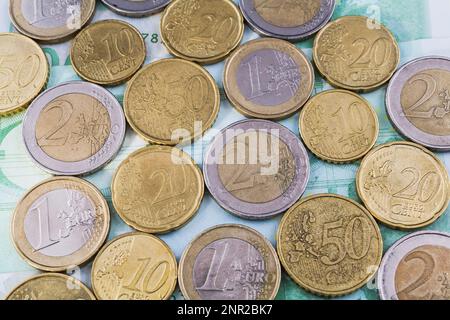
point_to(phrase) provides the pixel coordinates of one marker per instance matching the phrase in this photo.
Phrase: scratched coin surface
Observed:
(356, 53)
(329, 245)
(204, 31)
(268, 79)
(60, 223)
(51, 286)
(403, 185)
(159, 197)
(292, 20)
(338, 126)
(418, 102)
(171, 101)
(136, 8)
(74, 128)
(134, 266)
(229, 262)
(256, 169)
(108, 52)
(50, 21)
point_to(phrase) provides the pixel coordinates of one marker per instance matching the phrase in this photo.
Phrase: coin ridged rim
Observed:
(137, 13)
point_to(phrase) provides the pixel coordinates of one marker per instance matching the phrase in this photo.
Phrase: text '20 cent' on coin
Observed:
(338, 126)
(292, 20)
(50, 21)
(204, 31)
(229, 262)
(74, 128)
(23, 73)
(417, 102)
(134, 266)
(171, 101)
(329, 245)
(268, 79)
(256, 169)
(51, 286)
(417, 267)
(159, 197)
(136, 8)
(356, 53)
(60, 223)
(108, 52)
(403, 185)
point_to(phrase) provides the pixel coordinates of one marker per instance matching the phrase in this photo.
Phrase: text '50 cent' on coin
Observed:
(157, 189)
(136, 8)
(356, 53)
(60, 223)
(134, 266)
(256, 169)
(108, 52)
(292, 20)
(204, 31)
(229, 262)
(329, 245)
(338, 126)
(403, 185)
(268, 79)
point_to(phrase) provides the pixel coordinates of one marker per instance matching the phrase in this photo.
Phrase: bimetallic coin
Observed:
(329, 245)
(204, 31)
(136, 8)
(356, 53)
(108, 52)
(171, 101)
(50, 21)
(51, 286)
(23, 72)
(134, 266)
(256, 169)
(417, 267)
(268, 79)
(160, 197)
(292, 20)
(417, 102)
(229, 262)
(60, 223)
(338, 126)
(74, 128)
(403, 185)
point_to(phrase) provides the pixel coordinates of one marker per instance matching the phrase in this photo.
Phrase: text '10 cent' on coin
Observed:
(134, 266)
(292, 20)
(356, 53)
(229, 262)
(403, 185)
(268, 79)
(329, 245)
(60, 223)
(417, 267)
(108, 52)
(256, 169)
(204, 31)
(159, 197)
(136, 8)
(338, 126)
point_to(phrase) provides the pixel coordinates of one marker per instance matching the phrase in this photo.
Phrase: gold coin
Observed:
(171, 101)
(338, 126)
(60, 223)
(356, 53)
(23, 72)
(403, 185)
(329, 245)
(51, 286)
(134, 266)
(204, 31)
(160, 197)
(108, 52)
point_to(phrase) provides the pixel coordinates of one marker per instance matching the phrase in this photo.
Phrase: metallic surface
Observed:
(136, 8)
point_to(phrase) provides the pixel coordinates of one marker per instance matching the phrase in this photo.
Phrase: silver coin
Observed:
(136, 8)
(417, 267)
(74, 128)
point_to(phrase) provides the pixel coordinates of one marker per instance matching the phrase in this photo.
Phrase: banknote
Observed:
(421, 28)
